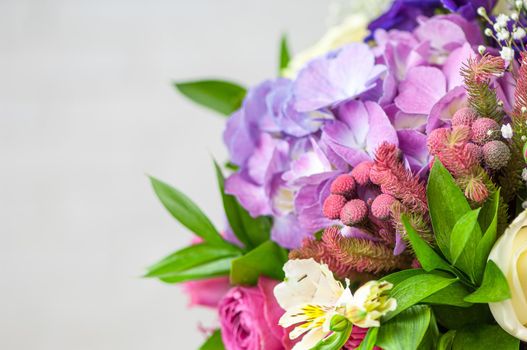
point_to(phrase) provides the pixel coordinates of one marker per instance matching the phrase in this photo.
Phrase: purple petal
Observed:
(454, 63)
(445, 108)
(421, 89)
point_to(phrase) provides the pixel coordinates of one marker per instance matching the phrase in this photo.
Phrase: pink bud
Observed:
(361, 173)
(333, 205)
(354, 212)
(382, 205)
(343, 185)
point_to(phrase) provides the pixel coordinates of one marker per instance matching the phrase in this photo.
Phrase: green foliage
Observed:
(191, 257)
(341, 328)
(214, 342)
(186, 212)
(266, 259)
(482, 336)
(489, 223)
(453, 295)
(408, 295)
(210, 269)
(447, 204)
(285, 56)
(368, 343)
(452, 317)
(465, 234)
(406, 331)
(494, 287)
(221, 96)
(250, 231)
(426, 255)
(446, 340)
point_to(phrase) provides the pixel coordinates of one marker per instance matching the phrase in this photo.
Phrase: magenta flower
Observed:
(249, 318)
(207, 292)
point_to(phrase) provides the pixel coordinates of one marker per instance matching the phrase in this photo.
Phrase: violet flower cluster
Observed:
(293, 137)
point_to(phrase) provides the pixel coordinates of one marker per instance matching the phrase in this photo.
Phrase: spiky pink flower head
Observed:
(475, 151)
(344, 185)
(484, 130)
(436, 139)
(464, 116)
(496, 154)
(381, 206)
(333, 205)
(476, 190)
(354, 212)
(361, 173)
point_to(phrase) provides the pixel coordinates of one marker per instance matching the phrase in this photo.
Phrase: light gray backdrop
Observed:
(86, 110)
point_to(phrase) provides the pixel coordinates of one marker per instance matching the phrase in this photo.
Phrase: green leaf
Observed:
(191, 256)
(267, 259)
(221, 96)
(220, 267)
(285, 57)
(447, 205)
(482, 336)
(214, 342)
(368, 343)
(452, 317)
(427, 256)
(494, 287)
(408, 295)
(406, 331)
(186, 212)
(341, 328)
(451, 295)
(431, 338)
(399, 276)
(489, 223)
(465, 235)
(250, 231)
(446, 340)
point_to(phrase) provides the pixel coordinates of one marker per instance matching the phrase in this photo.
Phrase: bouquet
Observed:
(375, 189)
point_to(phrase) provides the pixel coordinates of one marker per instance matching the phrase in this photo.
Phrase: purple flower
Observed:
(404, 14)
(337, 77)
(468, 8)
(249, 318)
(359, 129)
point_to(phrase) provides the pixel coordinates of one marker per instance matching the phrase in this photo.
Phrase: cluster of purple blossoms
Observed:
(292, 138)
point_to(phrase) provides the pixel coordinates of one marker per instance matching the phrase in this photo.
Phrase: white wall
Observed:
(86, 109)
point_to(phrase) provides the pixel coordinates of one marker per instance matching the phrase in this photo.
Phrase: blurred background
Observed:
(86, 110)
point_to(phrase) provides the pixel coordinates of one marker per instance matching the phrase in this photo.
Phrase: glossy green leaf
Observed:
(191, 256)
(186, 212)
(214, 342)
(446, 340)
(494, 287)
(341, 329)
(453, 317)
(406, 331)
(220, 267)
(489, 223)
(399, 276)
(285, 56)
(250, 231)
(427, 256)
(221, 96)
(267, 259)
(483, 336)
(408, 295)
(464, 236)
(447, 204)
(368, 343)
(453, 295)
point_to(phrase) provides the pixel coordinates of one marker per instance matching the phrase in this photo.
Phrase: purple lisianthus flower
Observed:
(337, 77)
(403, 15)
(468, 8)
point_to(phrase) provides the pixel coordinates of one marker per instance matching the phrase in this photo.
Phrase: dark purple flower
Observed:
(468, 8)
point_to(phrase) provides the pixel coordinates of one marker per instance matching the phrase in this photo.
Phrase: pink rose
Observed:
(207, 292)
(249, 318)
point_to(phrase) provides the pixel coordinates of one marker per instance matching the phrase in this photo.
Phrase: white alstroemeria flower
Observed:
(506, 131)
(370, 302)
(311, 296)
